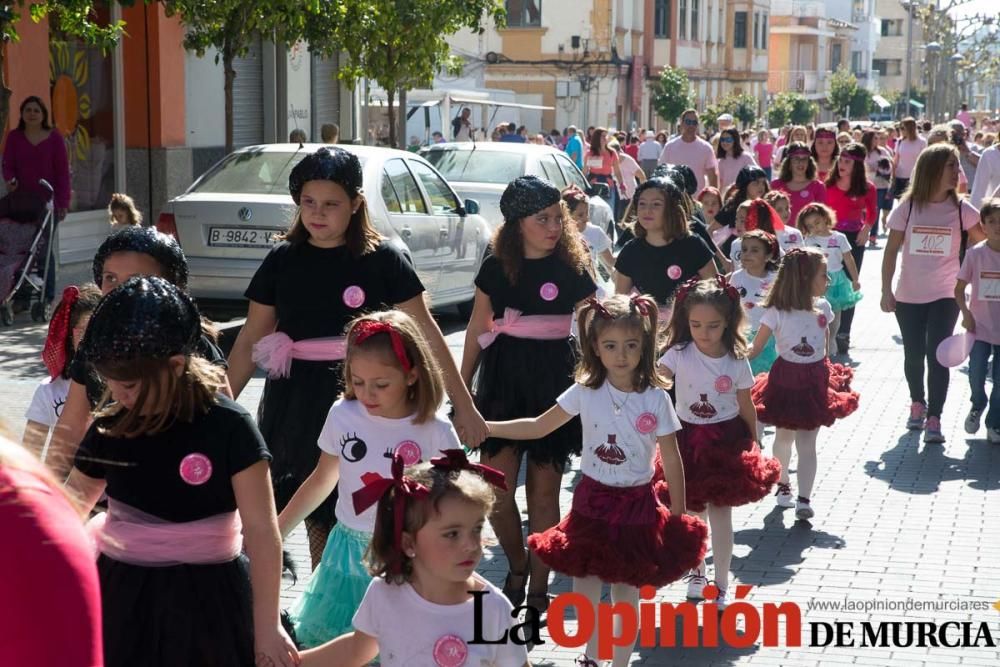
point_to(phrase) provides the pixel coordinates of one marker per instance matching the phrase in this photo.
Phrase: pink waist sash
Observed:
(131, 536)
(274, 353)
(540, 327)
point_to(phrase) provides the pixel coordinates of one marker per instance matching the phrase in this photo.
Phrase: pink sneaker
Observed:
(918, 413)
(932, 431)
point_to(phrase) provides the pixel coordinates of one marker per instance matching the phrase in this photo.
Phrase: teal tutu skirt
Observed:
(840, 293)
(326, 609)
(763, 362)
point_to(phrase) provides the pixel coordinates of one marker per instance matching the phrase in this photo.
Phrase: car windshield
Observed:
(477, 166)
(256, 172)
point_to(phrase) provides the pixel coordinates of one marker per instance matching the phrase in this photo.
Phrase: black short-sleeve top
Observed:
(658, 270)
(183, 473)
(316, 292)
(546, 286)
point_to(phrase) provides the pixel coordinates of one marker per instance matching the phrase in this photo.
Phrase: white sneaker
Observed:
(783, 498)
(972, 421)
(696, 586)
(722, 601)
(803, 510)
(993, 436)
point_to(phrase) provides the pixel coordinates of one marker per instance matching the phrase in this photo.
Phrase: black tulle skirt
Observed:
(521, 377)
(197, 615)
(291, 415)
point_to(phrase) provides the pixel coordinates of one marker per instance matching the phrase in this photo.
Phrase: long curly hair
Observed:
(508, 246)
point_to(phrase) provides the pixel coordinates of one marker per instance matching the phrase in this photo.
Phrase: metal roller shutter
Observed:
(325, 93)
(248, 98)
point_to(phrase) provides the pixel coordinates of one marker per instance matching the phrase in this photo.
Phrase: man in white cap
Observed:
(725, 122)
(649, 152)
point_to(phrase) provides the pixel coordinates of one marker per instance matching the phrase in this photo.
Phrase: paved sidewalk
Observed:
(896, 518)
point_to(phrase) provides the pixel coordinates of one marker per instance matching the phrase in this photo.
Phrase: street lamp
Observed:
(933, 52)
(953, 84)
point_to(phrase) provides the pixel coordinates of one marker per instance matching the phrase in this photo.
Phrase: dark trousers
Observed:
(923, 327)
(858, 253)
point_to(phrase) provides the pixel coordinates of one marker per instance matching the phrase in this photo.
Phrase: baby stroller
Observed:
(27, 230)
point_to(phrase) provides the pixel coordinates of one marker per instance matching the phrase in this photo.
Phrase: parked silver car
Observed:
(231, 216)
(482, 170)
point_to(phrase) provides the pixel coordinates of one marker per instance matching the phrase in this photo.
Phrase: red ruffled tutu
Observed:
(804, 396)
(722, 465)
(621, 535)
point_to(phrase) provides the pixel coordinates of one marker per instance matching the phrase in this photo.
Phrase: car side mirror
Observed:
(471, 207)
(599, 190)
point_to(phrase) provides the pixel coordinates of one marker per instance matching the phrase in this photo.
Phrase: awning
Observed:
(881, 101)
(914, 103)
(494, 103)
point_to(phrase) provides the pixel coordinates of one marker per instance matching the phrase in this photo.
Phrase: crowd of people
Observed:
(724, 311)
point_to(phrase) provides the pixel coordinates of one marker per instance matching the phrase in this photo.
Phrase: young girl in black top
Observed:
(188, 487)
(519, 336)
(331, 267)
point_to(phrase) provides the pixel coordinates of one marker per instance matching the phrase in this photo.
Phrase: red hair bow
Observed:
(455, 460)
(731, 292)
(599, 309)
(683, 290)
(54, 352)
(377, 486)
(365, 329)
(753, 216)
(639, 304)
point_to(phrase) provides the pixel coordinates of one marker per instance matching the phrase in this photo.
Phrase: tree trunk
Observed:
(5, 93)
(390, 97)
(229, 75)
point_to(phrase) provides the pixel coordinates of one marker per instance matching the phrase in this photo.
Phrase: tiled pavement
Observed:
(896, 519)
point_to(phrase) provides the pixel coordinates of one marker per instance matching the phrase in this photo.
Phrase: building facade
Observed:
(889, 61)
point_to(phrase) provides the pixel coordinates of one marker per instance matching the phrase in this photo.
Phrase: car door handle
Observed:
(406, 232)
(444, 232)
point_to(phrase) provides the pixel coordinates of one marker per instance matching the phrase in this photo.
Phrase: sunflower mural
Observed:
(69, 72)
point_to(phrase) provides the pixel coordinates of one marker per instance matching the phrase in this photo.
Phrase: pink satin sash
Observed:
(540, 327)
(131, 536)
(274, 353)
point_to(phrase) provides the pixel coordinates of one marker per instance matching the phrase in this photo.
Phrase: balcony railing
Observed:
(807, 82)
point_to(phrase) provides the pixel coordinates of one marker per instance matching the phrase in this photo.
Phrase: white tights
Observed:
(831, 338)
(590, 587)
(720, 521)
(805, 447)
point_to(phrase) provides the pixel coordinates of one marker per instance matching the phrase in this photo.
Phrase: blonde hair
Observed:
(428, 391)
(927, 174)
(122, 202)
(792, 288)
(383, 559)
(619, 311)
(816, 210)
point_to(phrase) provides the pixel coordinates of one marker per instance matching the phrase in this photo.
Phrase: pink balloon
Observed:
(953, 350)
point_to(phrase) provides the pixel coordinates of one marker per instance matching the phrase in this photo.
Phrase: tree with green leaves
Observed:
(671, 94)
(791, 107)
(230, 26)
(73, 18)
(843, 90)
(742, 106)
(399, 44)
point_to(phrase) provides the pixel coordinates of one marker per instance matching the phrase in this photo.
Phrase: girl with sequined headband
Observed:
(189, 494)
(723, 465)
(392, 393)
(519, 356)
(331, 267)
(617, 533)
(803, 390)
(423, 605)
(797, 179)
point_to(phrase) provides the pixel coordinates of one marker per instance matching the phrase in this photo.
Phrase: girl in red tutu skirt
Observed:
(803, 390)
(617, 531)
(723, 466)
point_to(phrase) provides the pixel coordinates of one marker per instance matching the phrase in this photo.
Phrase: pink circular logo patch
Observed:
(410, 451)
(450, 651)
(674, 272)
(549, 291)
(832, 243)
(723, 384)
(353, 296)
(645, 423)
(793, 238)
(196, 469)
(821, 320)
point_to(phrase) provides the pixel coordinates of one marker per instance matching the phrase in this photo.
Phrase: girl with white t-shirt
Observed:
(427, 604)
(66, 328)
(803, 390)
(723, 465)
(760, 259)
(598, 243)
(393, 390)
(817, 221)
(617, 531)
(927, 226)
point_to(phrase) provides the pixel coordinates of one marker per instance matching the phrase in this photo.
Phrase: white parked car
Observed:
(231, 216)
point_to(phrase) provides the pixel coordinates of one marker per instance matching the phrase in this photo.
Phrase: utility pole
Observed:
(909, 55)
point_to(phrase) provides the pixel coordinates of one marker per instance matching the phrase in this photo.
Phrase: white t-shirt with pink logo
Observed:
(361, 442)
(981, 270)
(620, 430)
(833, 247)
(931, 241)
(800, 335)
(706, 386)
(414, 632)
(752, 292)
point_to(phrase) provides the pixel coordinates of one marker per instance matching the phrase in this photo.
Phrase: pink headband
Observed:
(848, 156)
(825, 133)
(799, 152)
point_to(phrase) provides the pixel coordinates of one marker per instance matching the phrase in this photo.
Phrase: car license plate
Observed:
(235, 237)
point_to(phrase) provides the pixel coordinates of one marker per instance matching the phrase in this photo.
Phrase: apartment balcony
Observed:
(814, 84)
(868, 80)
